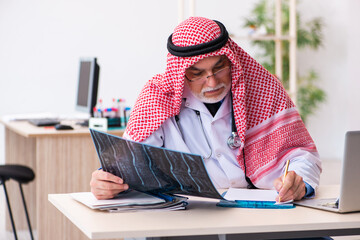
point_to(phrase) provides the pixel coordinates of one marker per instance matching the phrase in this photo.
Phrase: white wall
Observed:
(338, 66)
(353, 49)
(42, 40)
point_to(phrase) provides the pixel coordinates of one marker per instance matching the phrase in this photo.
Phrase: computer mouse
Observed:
(63, 127)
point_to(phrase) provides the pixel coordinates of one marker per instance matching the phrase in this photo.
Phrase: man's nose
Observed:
(211, 81)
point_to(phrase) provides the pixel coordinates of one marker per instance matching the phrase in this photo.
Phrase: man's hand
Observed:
(292, 189)
(105, 185)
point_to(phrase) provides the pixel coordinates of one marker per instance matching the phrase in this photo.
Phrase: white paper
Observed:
(131, 198)
(250, 194)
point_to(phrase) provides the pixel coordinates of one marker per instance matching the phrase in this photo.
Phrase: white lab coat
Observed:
(222, 166)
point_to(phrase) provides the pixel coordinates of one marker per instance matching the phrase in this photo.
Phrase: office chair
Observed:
(21, 174)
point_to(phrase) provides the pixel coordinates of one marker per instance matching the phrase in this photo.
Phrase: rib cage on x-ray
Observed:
(148, 168)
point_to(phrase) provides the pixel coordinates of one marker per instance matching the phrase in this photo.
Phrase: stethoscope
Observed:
(233, 141)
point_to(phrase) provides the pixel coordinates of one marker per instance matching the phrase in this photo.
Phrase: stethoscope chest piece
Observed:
(234, 141)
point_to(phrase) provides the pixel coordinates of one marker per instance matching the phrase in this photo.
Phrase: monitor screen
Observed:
(87, 85)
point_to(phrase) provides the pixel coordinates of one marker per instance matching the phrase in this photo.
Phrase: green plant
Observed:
(309, 34)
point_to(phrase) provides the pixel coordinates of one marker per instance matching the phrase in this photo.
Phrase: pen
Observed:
(166, 197)
(286, 171)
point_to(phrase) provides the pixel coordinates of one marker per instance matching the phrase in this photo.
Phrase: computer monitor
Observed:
(87, 85)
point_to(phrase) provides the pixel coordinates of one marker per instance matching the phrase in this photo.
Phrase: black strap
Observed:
(233, 124)
(202, 48)
(250, 184)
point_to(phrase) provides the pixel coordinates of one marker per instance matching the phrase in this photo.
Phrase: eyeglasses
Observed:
(200, 79)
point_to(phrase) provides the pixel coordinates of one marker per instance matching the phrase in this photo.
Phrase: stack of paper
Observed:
(132, 201)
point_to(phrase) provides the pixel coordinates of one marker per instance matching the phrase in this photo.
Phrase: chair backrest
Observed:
(17, 172)
(21, 174)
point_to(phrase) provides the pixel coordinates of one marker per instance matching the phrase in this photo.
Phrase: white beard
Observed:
(201, 96)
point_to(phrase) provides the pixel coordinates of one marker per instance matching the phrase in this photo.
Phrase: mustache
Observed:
(207, 89)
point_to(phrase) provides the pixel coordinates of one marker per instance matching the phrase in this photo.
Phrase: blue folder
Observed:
(254, 204)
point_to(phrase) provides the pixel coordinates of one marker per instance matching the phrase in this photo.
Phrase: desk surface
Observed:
(26, 129)
(203, 218)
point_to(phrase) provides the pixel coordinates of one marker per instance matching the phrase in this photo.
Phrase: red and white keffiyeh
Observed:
(266, 119)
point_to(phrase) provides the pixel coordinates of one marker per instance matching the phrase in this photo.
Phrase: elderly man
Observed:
(217, 101)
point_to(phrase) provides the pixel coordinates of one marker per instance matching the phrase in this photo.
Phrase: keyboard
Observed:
(330, 203)
(42, 122)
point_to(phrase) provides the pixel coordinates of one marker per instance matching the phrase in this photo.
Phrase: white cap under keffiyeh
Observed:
(266, 119)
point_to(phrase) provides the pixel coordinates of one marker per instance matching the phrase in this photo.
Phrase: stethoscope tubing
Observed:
(233, 141)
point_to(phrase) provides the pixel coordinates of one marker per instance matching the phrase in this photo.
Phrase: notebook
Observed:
(349, 199)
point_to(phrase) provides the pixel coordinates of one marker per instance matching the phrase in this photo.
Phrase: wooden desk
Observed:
(63, 162)
(204, 218)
